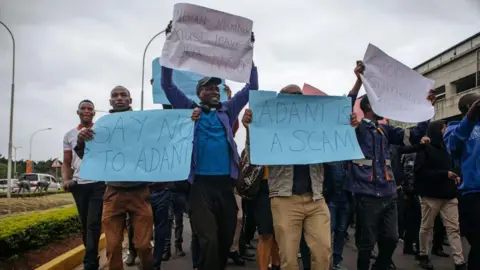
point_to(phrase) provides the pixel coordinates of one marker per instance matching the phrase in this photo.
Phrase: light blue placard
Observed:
(184, 80)
(151, 146)
(296, 129)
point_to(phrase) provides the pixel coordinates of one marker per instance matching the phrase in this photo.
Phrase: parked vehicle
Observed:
(35, 178)
(4, 185)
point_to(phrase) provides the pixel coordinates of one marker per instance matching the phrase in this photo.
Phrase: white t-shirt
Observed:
(69, 142)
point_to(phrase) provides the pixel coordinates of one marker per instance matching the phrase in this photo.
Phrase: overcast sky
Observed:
(71, 50)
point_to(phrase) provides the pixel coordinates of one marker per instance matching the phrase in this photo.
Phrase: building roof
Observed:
(452, 47)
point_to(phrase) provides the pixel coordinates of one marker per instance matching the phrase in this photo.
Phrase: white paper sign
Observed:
(394, 90)
(209, 42)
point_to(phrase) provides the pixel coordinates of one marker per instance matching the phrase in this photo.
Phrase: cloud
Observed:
(71, 50)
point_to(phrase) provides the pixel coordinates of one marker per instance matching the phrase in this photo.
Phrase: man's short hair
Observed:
(466, 101)
(121, 87)
(87, 101)
(365, 104)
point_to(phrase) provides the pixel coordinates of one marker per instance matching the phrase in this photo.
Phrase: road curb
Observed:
(70, 259)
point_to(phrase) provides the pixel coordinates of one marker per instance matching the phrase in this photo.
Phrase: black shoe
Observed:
(425, 262)
(409, 251)
(179, 252)
(462, 266)
(237, 259)
(248, 254)
(167, 254)
(132, 255)
(250, 246)
(275, 267)
(391, 266)
(440, 253)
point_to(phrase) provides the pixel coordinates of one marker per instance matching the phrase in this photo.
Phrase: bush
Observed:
(21, 233)
(31, 194)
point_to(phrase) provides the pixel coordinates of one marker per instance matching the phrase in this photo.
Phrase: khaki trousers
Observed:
(293, 214)
(448, 209)
(117, 202)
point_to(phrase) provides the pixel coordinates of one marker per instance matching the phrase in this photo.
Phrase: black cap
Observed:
(208, 80)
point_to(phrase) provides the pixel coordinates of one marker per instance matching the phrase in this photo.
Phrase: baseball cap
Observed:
(208, 80)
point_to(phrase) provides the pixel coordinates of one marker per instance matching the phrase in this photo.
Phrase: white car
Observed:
(34, 178)
(4, 185)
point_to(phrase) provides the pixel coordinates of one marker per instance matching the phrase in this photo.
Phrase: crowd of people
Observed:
(412, 182)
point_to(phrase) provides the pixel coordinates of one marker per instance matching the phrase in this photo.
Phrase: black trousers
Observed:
(469, 209)
(401, 208)
(131, 247)
(178, 208)
(249, 224)
(413, 218)
(214, 219)
(377, 222)
(89, 201)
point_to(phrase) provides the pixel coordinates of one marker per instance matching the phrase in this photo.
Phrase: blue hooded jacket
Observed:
(462, 140)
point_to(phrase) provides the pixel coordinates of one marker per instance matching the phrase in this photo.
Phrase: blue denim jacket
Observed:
(373, 176)
(227, 115)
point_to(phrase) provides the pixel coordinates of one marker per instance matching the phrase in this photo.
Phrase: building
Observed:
(456, 72)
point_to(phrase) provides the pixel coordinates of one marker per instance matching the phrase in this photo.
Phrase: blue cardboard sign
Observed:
(186, 81)
(150, 146)
(296, 129)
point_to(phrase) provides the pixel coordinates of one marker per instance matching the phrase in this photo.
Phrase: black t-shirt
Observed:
(302, 183)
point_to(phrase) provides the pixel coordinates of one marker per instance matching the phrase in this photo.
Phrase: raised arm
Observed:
(353, 94)
(238, 102)
(176, 97)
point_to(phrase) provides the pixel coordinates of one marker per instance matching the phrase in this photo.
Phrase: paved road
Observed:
(406, 262)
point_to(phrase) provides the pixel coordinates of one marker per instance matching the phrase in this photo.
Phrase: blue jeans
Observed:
(161, 202)
(339, 215)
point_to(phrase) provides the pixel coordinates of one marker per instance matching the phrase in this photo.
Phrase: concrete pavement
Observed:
(406, 262)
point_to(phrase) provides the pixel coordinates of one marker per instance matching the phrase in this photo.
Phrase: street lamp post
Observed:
(31, 139)
(143, 64)
(10, 134)
(15, 160)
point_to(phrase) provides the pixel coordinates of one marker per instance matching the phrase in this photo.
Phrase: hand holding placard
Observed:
(296, 129)
(152, 146)
(209, 42)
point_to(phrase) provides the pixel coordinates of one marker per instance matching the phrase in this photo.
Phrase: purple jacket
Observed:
(227, 115)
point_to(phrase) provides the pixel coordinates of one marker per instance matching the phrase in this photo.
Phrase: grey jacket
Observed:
(280, 178)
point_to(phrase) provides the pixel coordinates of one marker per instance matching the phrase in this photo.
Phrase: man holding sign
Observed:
(373, 184)
(122, 198)
(214, 164)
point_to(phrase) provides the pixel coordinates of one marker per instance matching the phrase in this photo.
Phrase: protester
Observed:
(267, 248)
(373, 184)
(297, 204)
(338, 200)
(88, 195)
(462, 141)
(214, 163)
(437, 186)
(122, 198)
(179, 190)
(413, 215)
